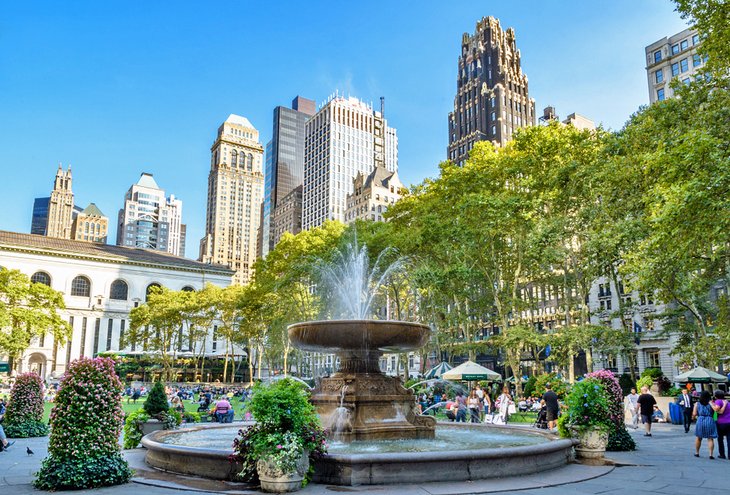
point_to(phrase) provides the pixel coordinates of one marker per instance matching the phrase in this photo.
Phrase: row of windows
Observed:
(677, 47)
(81, 286)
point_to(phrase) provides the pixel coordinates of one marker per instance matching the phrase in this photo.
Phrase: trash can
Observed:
(676, 413)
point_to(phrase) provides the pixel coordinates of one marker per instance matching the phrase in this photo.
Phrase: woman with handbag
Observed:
(503, 403)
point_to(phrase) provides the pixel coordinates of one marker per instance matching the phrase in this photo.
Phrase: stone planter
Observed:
(592, 444)
(151, 425)
(273, 480)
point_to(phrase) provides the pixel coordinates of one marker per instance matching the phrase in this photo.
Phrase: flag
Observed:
(547, 350)
(637, 327)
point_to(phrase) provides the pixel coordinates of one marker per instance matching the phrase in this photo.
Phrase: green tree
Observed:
(27, 311)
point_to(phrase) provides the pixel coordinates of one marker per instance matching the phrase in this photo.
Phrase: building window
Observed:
(80, 286)
(659, 76)
(696, 60)
(684, 65)
(41, 278)
(97, 331)
(122, 326)
(657, 56)
(660, 94)
(119, 290)
(653, 359)
(249, 163)
(686, 81)
(695, 39)
(84, 320)
(109, 331)
(187, 288)
(234, 158)
(683, 45)
(153, 285)
(675, 49)
(675, 68)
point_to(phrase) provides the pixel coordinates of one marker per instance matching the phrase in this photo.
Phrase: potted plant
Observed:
(588, 418)
(156, 414)
(287, 434)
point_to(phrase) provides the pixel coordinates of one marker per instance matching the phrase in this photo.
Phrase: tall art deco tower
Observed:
(235, 196)
(492, 99)
(61, 206)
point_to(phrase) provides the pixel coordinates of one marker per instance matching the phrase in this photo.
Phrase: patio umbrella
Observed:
(700, 375)
(437, 370)
(471, 371)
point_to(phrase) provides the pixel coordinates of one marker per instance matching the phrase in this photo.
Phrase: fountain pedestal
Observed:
(359, 402)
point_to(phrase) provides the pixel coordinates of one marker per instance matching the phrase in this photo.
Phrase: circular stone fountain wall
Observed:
(460, 452)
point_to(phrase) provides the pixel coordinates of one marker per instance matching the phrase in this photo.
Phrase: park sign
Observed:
(4, 367)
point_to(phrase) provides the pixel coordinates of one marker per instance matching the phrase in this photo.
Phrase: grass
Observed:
(131, 407)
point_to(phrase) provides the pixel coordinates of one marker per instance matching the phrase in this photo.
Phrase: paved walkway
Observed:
(662, 464)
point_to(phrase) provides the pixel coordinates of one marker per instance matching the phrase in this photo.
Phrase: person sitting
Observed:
(451, 410)
(658, 416)
(223, 411)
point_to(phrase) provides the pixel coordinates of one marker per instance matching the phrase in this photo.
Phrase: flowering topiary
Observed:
(618, 437)
(24, 414)
(588, 407)
(83, 449)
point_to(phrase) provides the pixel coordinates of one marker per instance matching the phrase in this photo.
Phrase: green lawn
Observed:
(131, 407)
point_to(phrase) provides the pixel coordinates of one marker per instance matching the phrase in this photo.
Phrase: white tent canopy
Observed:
(471, 371)
(700, 375)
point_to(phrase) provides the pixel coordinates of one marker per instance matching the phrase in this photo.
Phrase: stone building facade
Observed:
(372, 195)
(669, 58)
(287, 215)
(492, 97)
(235, 197)
(90, 225)
(61, 206)
(101, 284)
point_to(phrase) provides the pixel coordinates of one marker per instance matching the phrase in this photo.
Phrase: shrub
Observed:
(156, 401)
(83, 449)
(626, 383)
(618, 437)
(588, 406)
(653, 373)
(133, 428)
(672, 392)
(284, 417)
(24, 414)
(191, 417)
(530, 386)
(644, 381)
(557, 384)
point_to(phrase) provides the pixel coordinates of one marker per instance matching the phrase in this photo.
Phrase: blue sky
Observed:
(120, 88)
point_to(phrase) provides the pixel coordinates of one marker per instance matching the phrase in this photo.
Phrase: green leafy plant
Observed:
(653, 373)
(644, 381)
(287, 426)
(191, 417)
(587, 407)
(83, 449)
(672, 392)
(133, 428)
(156, 401)
(618, 437)
(557, 384)
(530, 386)
(24, 414)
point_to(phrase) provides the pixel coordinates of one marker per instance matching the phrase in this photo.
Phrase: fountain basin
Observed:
(531, 451)
(342, 336)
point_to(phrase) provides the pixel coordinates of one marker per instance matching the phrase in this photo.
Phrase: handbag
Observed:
(511, 409)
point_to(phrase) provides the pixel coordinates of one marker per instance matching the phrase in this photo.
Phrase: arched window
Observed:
(187, 288)
(249, 165)
(81, 286)
(119, 290)
(41, 278)
(234, 158)
(150, 287)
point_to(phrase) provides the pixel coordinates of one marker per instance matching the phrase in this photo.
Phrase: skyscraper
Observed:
(284, 164)
(669, 58)
(492, 98)
(40, 216)
(344, 138)
(235, 196)
(61, 206)
(150, 220)
(90, 225)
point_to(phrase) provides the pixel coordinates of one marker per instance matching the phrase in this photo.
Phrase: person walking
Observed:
(685, 402)
(550, 401)
(705, 427)
(473, 403)
(645, 406)
(723, 423)
(631, 403)
(460, 407)
(503, 402)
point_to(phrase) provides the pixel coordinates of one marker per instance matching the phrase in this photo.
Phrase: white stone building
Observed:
(669, 58)
(344, 138)
(372, 195)
(101, 284)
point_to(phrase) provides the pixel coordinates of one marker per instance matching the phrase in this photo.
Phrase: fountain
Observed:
(377, 435)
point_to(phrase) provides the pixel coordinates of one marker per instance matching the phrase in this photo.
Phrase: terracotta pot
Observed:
(593, 441)
(273, 480)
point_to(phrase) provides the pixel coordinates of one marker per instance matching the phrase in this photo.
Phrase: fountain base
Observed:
(378, 408)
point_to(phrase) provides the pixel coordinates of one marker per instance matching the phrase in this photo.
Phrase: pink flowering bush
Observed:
(24, 414)
(86, 421)
(618, 437)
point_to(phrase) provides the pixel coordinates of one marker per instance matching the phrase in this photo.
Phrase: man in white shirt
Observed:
(633, 399)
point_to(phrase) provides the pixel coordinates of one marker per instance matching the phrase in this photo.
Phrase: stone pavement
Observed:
(662, 464)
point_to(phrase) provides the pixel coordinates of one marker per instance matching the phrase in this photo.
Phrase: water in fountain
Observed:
(351, 284)
(340, 422)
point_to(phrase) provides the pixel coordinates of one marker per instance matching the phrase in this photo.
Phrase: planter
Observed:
(151, 425)
(273, 480)
(592, 444)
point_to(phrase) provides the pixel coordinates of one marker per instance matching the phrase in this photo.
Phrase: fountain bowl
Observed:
(338, 336)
